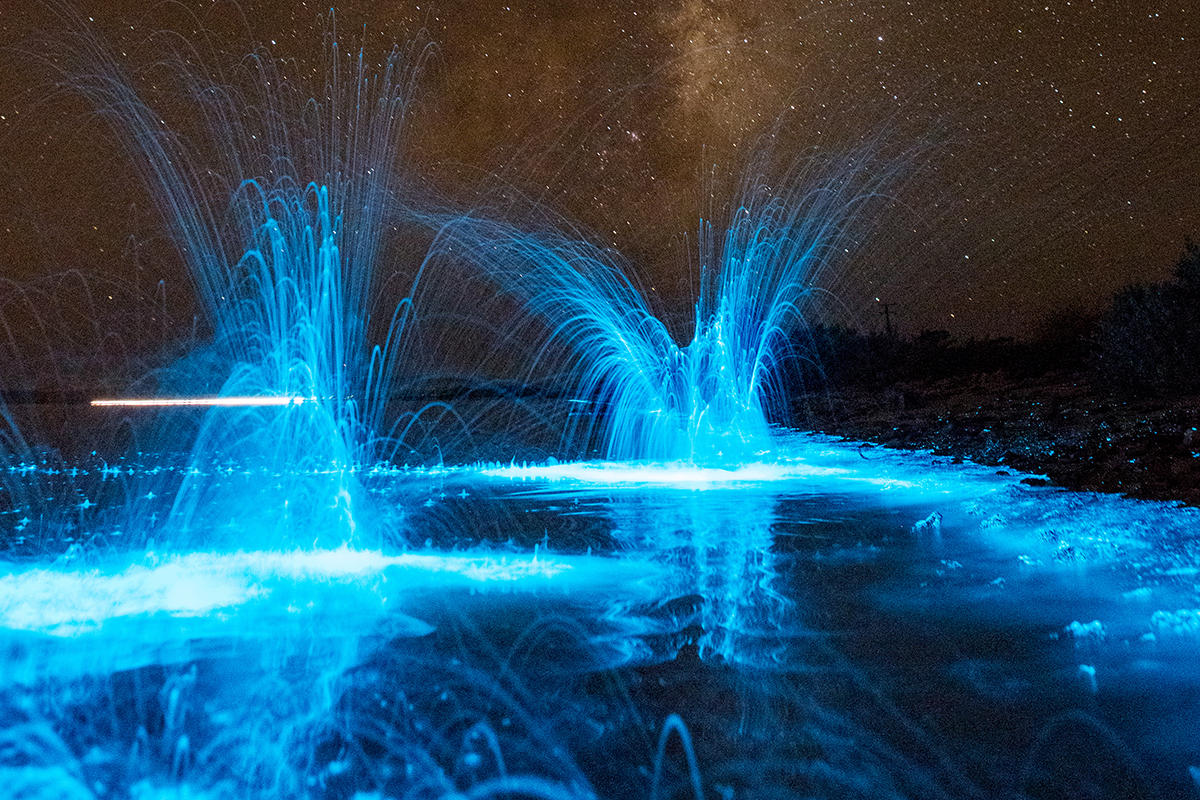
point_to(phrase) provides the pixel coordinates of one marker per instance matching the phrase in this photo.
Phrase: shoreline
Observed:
(1057, 425)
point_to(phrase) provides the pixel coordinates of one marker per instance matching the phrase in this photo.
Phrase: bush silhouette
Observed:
(1149, 341)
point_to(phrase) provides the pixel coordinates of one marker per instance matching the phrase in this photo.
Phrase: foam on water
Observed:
(62, 601)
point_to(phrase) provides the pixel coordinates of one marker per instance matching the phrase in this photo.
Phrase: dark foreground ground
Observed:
(1059, 425)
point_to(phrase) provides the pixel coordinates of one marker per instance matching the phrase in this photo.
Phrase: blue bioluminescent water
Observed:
(281, 202)
(639, 394)
(66, 602)
(856, 622)
(278, 606)
(279, 195)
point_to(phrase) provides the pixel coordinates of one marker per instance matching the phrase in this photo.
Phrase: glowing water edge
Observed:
(845, 621)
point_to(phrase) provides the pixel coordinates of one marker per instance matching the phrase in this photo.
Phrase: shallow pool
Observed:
(834, 621)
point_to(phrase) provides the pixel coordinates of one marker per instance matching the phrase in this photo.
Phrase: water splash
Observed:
(279, 196)
(632, 390)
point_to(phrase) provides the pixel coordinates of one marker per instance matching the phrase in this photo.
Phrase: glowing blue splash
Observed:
(280, 203)
(636, 393)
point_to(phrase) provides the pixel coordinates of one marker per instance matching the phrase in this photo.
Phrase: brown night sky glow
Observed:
(1051, 149)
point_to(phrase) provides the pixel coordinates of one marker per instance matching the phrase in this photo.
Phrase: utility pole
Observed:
(887, 319)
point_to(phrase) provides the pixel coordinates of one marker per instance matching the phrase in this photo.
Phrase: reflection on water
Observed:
(723, 555)
(937, 632)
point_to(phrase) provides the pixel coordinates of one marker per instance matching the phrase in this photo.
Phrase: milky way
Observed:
(1050, 150)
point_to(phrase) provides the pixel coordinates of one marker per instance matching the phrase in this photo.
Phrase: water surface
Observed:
(838, 622)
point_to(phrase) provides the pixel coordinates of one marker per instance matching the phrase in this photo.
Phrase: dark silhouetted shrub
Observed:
(1149, 341)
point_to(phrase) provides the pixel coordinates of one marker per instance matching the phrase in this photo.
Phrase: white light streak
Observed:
(224, 402)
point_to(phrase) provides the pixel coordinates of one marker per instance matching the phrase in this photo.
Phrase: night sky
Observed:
(1050, 150)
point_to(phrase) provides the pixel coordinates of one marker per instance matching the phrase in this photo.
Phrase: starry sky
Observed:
(1048, 153)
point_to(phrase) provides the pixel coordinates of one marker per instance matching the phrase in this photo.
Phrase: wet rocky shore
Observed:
(1062, 426)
